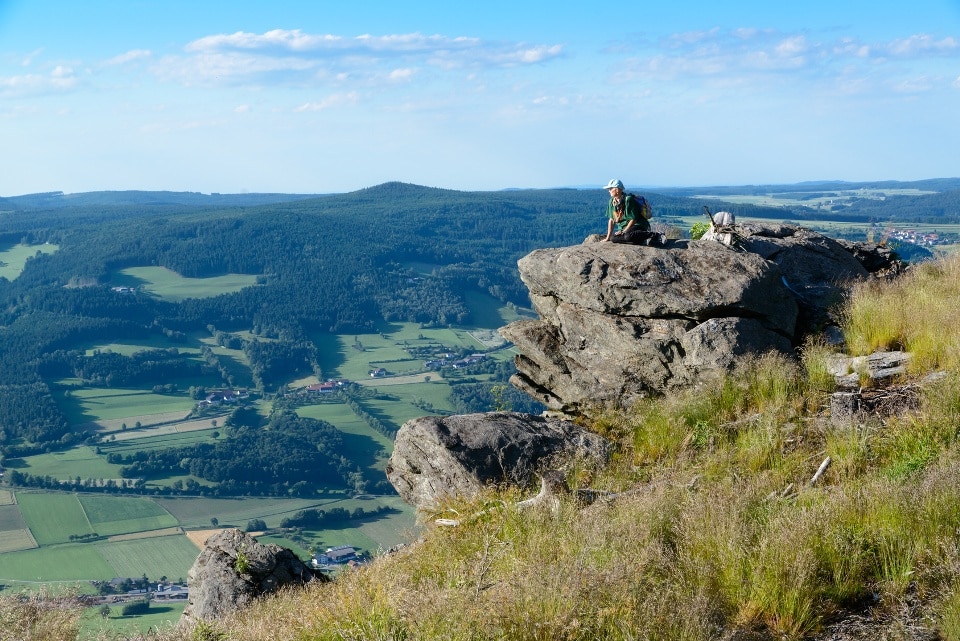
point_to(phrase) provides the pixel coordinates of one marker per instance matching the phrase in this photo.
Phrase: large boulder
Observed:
(437, 457)
(234, 569)
(618, 322)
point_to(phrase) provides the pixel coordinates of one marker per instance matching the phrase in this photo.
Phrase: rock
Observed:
(878, 368)
(815, 268)
(234, 569)
(437, 457)
(619, 322)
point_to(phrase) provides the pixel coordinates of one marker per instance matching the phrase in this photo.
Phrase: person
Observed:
(627, 218)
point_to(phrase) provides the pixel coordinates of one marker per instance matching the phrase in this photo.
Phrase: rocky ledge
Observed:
(618, 322)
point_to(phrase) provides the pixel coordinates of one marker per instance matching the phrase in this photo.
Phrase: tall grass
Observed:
(917, 313)
(718, 526)
(39, 617)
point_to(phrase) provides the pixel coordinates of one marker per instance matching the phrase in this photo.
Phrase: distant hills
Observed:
(56, 199)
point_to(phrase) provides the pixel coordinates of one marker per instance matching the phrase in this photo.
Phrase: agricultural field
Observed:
(80, 461)
(171, 286)
(91, 405)
(129, 347)
(109, 515)
(820, 197)
(162, 616)
(12, 259)
(169, 556)
(53, 517)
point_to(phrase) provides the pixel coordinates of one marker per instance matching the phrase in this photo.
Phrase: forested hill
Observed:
(333, 263)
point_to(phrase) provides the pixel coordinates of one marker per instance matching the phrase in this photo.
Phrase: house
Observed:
(378, 373)
(323, 388)
(340, 554)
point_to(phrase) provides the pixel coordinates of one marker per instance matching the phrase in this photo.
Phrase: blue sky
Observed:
(317, 97)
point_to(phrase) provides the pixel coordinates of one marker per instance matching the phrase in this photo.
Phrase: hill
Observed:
(744, 511)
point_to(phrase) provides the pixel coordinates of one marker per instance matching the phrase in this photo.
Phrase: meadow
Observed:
(45, 520)
(162, 616)
(171, 286)
(94, 404)
(12, 259)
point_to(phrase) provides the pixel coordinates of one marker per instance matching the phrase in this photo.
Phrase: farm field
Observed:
(144, 532)
(171, 286)
(169, 556)
(109, 515)
(53, 517)
(94, 404)
(12, 259)
(162, 616)
(130, 346)
(80, 461)
(352, 356)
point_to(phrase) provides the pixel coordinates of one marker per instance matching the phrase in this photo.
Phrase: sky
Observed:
(329, 97)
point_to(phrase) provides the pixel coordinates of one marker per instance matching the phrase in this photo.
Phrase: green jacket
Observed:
(632, 211)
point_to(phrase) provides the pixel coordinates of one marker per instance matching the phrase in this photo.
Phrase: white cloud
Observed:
(242, 109)
(335, 100)
(292, 57)
(747, 56)
(919, 84)
(129, 56)
(60, 78)
(922, 44)
(402, 74)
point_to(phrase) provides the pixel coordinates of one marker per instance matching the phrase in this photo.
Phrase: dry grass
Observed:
(38, 617)
(917, 313)
(721, 528)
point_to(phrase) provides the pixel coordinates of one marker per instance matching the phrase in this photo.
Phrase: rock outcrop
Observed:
(233, 569)
(436, 457)
(618, 322)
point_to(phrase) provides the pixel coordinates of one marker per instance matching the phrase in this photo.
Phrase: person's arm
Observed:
(627, 228)
(609, 228)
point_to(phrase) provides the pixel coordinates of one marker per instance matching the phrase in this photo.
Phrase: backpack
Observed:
(643, 206)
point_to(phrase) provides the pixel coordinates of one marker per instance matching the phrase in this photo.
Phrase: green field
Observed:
(80, 461)
(72, 562)
(162, 616)
(352, 356)
(197, 512)
(109, 515)
(365, 445)
(53, 517)
(171, 286)
(160, 441)
(98, 403)
(169, 556)
(130, 346)
(13, 259)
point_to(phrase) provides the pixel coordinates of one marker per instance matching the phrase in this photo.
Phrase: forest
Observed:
(327, 264)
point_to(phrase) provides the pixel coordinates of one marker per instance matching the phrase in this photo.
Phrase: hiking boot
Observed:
(660, 240)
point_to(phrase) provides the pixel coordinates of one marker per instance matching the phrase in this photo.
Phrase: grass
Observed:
(171, 286)
(85, 405)
(58, 563)
(122, 515)
(722, 529)
(13, 259)
(162, 616)
(913, 314)
(53, 517)
(80, 461)
(169, 556)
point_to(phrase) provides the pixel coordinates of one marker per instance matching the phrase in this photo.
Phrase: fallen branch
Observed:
(823, 468)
